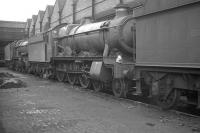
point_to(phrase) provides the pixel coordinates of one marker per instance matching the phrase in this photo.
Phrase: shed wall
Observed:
(55, 15)
(67, 12)
(32, 26)
(83, 9)
(102, 8)
(105, 5)
(45, 20)
(37, 24)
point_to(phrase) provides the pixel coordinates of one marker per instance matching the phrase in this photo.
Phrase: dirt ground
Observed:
(45, 106)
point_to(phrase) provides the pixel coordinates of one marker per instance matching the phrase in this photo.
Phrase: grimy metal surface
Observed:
(169, 38)
(37, 52)
(153, 6)
(37, 48)
(92, 37)
(7, 53)
(93, 41)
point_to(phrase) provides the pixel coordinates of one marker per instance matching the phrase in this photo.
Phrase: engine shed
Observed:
(10, 31)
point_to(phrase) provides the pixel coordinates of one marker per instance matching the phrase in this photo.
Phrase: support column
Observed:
(33, 30)
(28, 31)
(93, 11)
(60, 16)
(40, 26)
(198, 100)
(121, 2)
(74, 12)
(49, 20)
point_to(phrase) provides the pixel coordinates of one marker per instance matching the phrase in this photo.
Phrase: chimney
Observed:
(121, 10)
(86, 20)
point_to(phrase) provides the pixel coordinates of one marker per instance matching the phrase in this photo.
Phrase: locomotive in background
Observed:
(16, 55)
(153, 52)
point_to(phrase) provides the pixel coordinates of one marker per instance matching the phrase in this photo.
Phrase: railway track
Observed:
(136, 100)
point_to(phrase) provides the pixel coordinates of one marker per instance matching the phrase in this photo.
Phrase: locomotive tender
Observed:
(167, 50)
(153, 52)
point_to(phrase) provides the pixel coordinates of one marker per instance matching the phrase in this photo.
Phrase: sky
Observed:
(21, 10)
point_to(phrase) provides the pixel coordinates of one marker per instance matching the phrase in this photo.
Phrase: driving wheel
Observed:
(119, 88)
(60, 76)
(168, 99)
(97, 85)
(84, 80)
(71, 78)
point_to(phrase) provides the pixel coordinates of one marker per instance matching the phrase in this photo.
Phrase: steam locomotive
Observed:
(16, 55)
(153, 53)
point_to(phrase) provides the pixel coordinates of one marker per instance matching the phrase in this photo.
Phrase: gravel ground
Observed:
(45, 106)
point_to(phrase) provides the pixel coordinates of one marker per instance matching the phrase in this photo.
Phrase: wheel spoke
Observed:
(168, 99)
(84, 81)
(60, 76)
(97, 85)
(119, 88)
(168, 94)
(71, 78)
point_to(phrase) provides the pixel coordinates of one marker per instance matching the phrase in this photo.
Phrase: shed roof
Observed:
(47, 15)
(49, 9)
(12, 24)
(34, 19)
(40, 15)
(61, 4)
(28, 23)
(58, 8)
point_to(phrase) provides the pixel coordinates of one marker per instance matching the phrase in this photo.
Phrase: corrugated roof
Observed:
(41, 14)
(75, 1)
(28, 22)
(61, 4)
(34, 18)
(50, 10)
